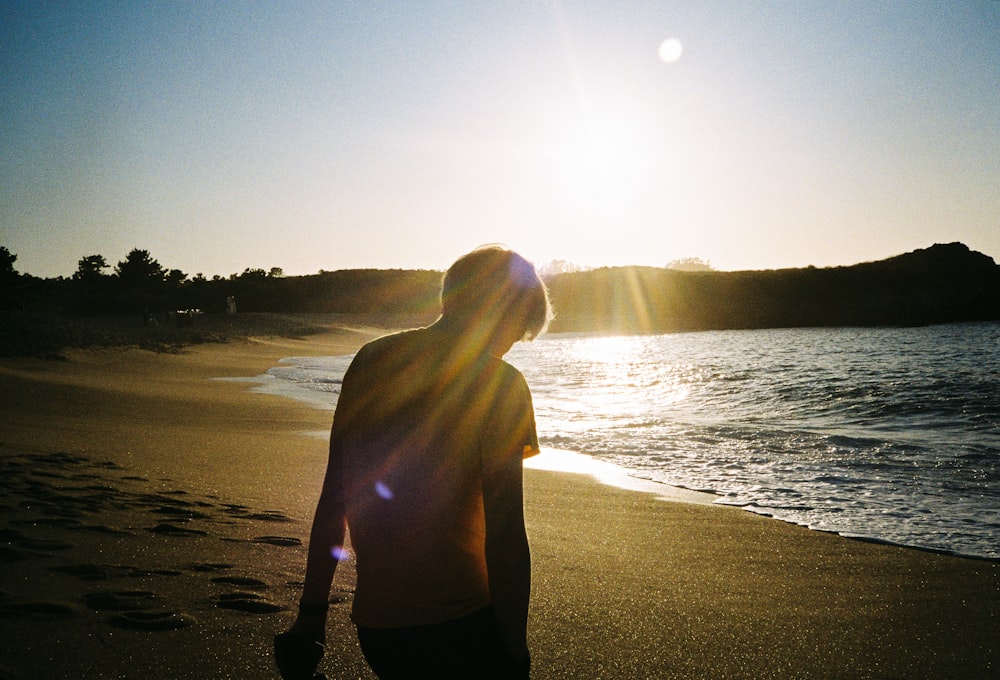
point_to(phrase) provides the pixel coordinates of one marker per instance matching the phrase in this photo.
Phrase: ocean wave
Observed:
(888, 434)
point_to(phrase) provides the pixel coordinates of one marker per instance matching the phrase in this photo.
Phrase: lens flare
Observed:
(384, 491)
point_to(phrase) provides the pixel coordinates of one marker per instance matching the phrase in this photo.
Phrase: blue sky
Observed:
(315, 135)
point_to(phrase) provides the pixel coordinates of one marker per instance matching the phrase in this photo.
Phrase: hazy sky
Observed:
(329, 135)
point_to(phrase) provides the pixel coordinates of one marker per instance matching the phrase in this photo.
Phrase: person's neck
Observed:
(472, 341)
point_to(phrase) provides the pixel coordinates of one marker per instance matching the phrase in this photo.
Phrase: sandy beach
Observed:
(154, 520)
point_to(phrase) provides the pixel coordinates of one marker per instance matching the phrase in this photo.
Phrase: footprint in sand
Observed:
(177, 514)
(11, 554)
(248, 602)
(10, 535)
(120, 600)
(132, 610)
(285, 541)
(242, 581)
(85, 572)
(58, 522)
(43, 544)
(97, 572)
(171, 530)
(210, 566)
(150, 621)
(53, 608)
(45, 474)
(243, 512)
(103, 529)
(270, 516)
(137, 572)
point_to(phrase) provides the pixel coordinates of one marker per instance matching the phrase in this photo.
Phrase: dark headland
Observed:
(137, 305)
(945, 283)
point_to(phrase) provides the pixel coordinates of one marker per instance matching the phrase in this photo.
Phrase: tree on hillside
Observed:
(251, 274)
(256, 290)
(90, 288)
(90, 268)
(9, 280)
(7, 260)
(141, 283)
(556, 267)
(690, 264)
(174, 278)
(139, 268)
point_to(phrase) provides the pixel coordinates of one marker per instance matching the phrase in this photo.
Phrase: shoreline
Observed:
(624, 584)
(605, 472)
(573, 462)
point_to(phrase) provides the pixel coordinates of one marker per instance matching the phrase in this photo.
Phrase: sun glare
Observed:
(597, 163)
(671, 50)
(606, 351)
(615, 381)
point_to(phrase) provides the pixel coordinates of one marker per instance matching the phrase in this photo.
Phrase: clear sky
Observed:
(330, 135)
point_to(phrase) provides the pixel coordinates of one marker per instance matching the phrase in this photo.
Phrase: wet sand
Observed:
(154, 521)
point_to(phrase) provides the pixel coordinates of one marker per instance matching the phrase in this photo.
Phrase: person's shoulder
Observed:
(390, 342)
(507, 374)
(506, 367)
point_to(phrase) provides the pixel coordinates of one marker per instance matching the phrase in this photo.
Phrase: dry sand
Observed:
(153, 522)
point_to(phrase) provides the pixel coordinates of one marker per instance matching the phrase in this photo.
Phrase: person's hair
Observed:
(493, 286)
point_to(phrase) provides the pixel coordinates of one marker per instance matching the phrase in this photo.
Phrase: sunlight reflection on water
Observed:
(889, 433)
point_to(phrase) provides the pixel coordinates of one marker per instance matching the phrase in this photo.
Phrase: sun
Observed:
(596, 149)
(671, 50)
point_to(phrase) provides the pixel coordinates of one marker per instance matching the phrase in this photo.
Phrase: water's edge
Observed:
(604, 472)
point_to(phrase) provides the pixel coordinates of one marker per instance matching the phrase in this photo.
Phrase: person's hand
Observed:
(518, 668)
(310, 625)
(297, 655)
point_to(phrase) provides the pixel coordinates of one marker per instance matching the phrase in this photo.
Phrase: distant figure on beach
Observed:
(425, 469)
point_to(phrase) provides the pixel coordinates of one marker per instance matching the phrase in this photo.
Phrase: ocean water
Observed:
(888, 434)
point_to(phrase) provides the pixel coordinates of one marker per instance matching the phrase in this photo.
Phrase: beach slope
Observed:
(154, 521)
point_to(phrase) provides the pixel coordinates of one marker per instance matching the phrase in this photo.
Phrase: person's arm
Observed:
(298, 651)
(508, 559)
(326, 540)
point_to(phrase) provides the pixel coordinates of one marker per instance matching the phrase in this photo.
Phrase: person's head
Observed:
(497, 294)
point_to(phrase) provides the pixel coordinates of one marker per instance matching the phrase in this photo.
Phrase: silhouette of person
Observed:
(425, 471)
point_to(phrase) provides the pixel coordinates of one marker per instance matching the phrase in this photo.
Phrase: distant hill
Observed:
(941, 284)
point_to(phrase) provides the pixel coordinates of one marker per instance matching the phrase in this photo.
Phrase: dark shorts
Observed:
(470, 647)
